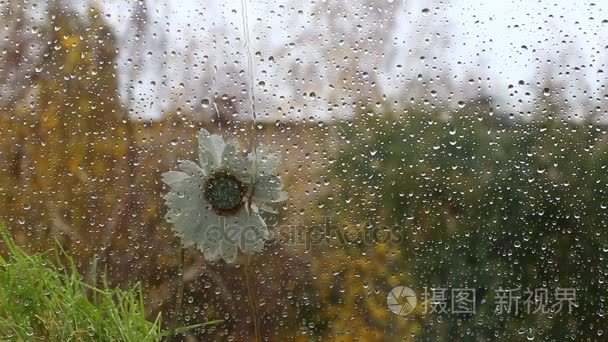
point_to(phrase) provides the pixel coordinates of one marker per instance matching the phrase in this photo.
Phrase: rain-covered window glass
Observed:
(344, 170)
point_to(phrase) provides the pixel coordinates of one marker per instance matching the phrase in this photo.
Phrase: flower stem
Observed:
(180, 295)
(252, 302)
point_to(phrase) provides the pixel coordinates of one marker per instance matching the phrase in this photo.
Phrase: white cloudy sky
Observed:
(501, 42)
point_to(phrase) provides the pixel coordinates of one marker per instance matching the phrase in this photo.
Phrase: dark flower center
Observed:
(225, 193)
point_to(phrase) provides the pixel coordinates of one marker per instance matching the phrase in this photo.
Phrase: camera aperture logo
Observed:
(401, 300)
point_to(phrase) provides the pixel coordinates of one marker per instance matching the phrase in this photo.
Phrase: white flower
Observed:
(215, 204)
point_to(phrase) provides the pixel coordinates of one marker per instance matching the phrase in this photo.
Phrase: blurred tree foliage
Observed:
(470, 200)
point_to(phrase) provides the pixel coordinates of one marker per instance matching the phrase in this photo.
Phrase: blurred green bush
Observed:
(476, 201)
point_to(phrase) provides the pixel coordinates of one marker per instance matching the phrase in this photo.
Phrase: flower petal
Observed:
(268, 188)
(237, 164)
(172, 177)
(210, 150)
(191, 168)
(211, 252)
(211, 237)
(265, 207)
(187, 209)
(252, 230)
(251, 243)
(228, 251)
(210, 246)
(185, 194)
(251, 247)
(267, 162)
(185, 224)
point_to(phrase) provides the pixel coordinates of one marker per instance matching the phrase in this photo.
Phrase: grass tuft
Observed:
(43, 301)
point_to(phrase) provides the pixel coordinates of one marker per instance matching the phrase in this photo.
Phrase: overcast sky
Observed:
(501, 42)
